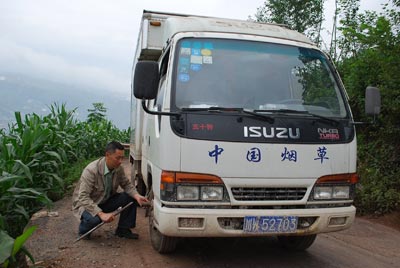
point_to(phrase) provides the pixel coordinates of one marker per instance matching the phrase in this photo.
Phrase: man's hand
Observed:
(106, 217)
(141, 199)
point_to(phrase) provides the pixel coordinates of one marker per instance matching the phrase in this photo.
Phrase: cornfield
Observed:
(34, 155)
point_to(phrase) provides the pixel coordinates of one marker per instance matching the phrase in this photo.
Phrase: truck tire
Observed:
(140, 185)
(161, 243)
(296, 243)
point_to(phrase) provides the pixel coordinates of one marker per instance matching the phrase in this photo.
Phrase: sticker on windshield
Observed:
(185, 51)
(184, 69)
(183, 77)
(196, 59)
(196, 51)
(184, 61)
(207, 60)
(206, 52)
(195, 67)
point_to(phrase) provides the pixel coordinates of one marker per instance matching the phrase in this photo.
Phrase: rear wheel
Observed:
(160, 242)
(297, 243)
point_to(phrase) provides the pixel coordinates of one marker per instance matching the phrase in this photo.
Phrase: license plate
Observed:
(270, 224)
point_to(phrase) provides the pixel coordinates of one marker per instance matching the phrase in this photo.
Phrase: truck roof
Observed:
(156, 36)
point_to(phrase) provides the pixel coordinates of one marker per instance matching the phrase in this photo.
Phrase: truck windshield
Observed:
(263, 77)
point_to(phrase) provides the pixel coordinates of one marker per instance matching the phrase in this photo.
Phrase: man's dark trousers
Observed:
(127, 218)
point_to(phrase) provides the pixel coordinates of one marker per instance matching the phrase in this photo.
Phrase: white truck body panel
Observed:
(195, 158)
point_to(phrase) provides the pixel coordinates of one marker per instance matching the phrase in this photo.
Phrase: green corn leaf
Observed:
(2, 222)
(58, 179)
(52, 164)
(20, 240)
(9, 177)
(26, 191)
(34, 163)
(27, 253)
(25, 169)
(6, 246)
(19, 121)
(9, 151)
(21, 210)
(45, 200)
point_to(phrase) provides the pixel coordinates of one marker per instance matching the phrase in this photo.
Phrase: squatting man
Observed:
(96, 197)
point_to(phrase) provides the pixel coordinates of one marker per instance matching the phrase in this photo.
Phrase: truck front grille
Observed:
(268, 194)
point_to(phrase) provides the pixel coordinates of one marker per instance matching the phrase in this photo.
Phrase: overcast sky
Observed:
(91, 43)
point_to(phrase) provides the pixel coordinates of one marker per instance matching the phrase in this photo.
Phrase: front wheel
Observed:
(297, 243)
(161, 243)
(140, 185)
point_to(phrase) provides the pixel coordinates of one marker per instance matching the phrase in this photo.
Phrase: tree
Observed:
(370, 45)
(303, 16)
(346, 13)
(98, 113)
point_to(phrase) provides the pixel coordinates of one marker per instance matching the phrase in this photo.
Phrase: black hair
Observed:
(113, 146)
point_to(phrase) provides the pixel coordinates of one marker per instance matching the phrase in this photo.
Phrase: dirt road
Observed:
(365, 244)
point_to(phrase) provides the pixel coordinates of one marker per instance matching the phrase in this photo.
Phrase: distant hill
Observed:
(30, 95)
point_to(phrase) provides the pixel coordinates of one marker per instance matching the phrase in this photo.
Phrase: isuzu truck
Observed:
(240, 129)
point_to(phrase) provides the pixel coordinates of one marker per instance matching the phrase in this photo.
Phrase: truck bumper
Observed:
(192, 222)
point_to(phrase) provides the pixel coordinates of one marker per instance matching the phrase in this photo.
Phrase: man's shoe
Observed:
(126, 233)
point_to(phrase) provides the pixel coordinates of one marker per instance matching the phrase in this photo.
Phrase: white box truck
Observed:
(240, 129)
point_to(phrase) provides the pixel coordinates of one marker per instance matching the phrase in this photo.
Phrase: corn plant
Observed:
(10, 248)
(22, 189)
(34, 154)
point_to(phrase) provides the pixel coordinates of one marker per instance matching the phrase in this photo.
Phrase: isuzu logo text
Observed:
(272, 132)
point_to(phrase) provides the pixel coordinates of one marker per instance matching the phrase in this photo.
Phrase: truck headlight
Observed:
(185, 193)
(331, 192)
(341, 192)
(335, 187)
(211, 193)
(322, 192)
(184, 186)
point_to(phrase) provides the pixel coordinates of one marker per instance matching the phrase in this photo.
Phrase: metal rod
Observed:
(116, 212)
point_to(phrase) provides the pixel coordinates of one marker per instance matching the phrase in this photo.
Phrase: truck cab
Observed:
(240, 129)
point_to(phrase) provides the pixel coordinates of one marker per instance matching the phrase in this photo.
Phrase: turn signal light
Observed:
(351, 178)
(183, 177)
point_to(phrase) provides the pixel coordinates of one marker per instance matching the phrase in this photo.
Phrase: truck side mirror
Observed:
(372, 101)
(146, 80)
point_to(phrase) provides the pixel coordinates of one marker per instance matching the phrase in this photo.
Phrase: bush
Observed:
(379, 190)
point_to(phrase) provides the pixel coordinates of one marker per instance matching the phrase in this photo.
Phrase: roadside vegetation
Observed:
(40, 158)
(365, 46)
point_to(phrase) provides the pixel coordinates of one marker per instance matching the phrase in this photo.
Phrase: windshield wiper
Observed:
(267, 118)
(286, 111)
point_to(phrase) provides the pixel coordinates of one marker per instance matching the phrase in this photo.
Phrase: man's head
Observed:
(114, 154)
